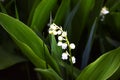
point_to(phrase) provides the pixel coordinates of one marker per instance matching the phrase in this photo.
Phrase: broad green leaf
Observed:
(104, 67)
(49, 74)
(62, 12)
(8, 59)
(25, 35)
(36, 60)
(41, 14)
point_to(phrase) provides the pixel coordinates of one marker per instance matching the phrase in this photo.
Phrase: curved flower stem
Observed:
(69, 49)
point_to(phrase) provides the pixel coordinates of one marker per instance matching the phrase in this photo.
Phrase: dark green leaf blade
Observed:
(62, 12)
(8, 59)
(80, 19)
(49, 74)
(41, 14)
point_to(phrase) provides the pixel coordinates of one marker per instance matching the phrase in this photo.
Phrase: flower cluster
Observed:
(63, 42)
(103, 12)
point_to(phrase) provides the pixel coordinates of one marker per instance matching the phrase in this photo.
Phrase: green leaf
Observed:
(32, 9)
(39, 63)
(62, 12)
(116, 75)
(49, 74)
(27, 37)
(41, 14)
(20, 31)
(104, 67)
(55, 50)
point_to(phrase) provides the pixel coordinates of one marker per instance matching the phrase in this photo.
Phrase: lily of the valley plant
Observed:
(63, 42)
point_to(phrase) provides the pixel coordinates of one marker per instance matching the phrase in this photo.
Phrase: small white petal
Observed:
(64, 46)
(59, 32)
(64, 56)
(73, 59)
(60, 38)
(64, 34)
(72, 46)
(59, 43)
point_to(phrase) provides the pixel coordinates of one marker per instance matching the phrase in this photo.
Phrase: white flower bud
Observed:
(65, 55)
(64, 46)
(59, 32)
(64, 34)
(72, 46)
(73, 59)
(54, 33)
(53, 26)
(60, 38)
(59, 43)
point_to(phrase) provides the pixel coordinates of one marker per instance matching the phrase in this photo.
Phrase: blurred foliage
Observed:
(26, 23)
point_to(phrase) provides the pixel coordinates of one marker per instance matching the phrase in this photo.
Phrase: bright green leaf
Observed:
(31, 55)
(25, 35)
(104, 67)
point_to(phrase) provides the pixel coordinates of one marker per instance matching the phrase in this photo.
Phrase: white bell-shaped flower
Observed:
(64, 34)
(59, 43)
(65, 55)
(64, 46)
(60, 38)
(59, 32)
(72, 46)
